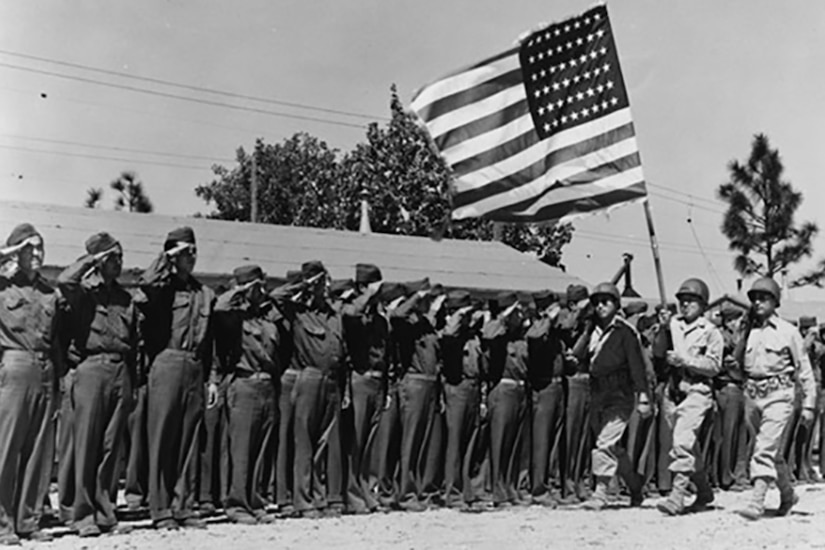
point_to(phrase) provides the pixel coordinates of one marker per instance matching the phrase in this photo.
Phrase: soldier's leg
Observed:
(308, 416)
(65, 443)
(137, 466)
(286, 443)
(415, 414)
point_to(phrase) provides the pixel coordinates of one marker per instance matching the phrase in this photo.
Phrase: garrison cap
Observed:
(293, 276)
(183, 234)
(634, 308)
(247, 273)
(339, 286)
(807, 322)
(544, 298)
(506, 299)
(457, 299)
(576, 293)
(367, 273)
(21, 233)
(415, 286)
(100, 242)
(312, 268)
(392, 291)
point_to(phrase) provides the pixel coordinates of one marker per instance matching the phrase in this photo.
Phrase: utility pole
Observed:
(254, 186)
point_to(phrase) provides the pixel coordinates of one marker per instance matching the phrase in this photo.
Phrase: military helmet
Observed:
(606, 289)
(766, 285)
(694, 287)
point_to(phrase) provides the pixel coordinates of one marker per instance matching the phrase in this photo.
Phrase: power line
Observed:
(708, 263)
(184, 86)
(688, 203)
(181, 97)
(682, 193)
(97, 157)
(113, 148)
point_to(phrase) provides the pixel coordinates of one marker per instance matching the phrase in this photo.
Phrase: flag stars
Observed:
(572, 62)
(604, 105)
(534, 76)
(603, 50)
(547, 36)
(550, 107)
(538, 39)
(570, 100)
(606, 67)
(567, 28)
(579, 96)
(595, 108)
(555, 122)
(556, 86)
(559, 104)
(574, 115)
(586, 75)
(590, 92)
(614, 101)
(532, 59)
(566, 82)
(600, 88)
(569, 45)
(537, 93)
(586, 20)
(543, 73)
(590, 37)
(583, 58)
(549, 51)
(609, 84)
(576, 79)
(552, 69)
(541, 111)
(557, 32)
(576, 25)
(541, 55)
(563, 119)
(559, 49)
(579, 41)
(562, 65)
(600, 33)
(596, 71)
(596, 17)
(546, 90)
(593, 55)
(585, 112)
(546, 127)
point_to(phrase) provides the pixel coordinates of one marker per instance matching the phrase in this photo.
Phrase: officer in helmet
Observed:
(774, 358)
(618, 384)
(697, 356)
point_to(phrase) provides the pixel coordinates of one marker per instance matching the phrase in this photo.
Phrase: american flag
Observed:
(540, 132)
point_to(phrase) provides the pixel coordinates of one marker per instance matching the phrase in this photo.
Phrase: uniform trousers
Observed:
(101, 400)
(175, 405)
(666, 418)
(137, 464)
(367, 401)
(686, 453)
(211, 472)
(319, 461)
(577, 434)
(27, 395)
(285, 447)
(461, 416)
(65, 450)
(507, 409)
(729, 429)
(385, 451)
(768, 417)
(251, 417)
(418, 396)
(547, 432)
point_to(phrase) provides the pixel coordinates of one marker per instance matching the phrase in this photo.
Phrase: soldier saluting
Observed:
(29, 370)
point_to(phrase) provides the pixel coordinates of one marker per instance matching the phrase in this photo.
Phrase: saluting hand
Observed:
(807, 417)
(643, 406)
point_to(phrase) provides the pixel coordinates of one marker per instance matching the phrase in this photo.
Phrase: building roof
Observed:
(224, 245)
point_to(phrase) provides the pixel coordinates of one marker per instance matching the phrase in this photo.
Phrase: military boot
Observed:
(704, 492)
(598, 499)
(674, 504)
(756, 507)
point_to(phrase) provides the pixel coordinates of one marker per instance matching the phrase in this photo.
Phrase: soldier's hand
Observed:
(387, 402)
(345, 402)
(178, 248)
(675, 359)
(807, 417)
(643, 406)
(482, 410)
(211, 395)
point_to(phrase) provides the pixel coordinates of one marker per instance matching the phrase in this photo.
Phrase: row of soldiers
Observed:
(365, 395)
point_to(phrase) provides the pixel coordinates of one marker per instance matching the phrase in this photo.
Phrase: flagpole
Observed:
(654, 247)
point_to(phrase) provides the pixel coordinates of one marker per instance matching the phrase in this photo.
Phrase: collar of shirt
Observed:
(770, 322)
(698, 323)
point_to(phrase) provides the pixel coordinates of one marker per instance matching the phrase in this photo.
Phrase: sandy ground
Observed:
(516, 528)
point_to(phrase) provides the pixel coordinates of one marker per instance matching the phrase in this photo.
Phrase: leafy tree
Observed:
(93, 197)
(131, 195)
(296, 184)
(759, 222)
(303, 182)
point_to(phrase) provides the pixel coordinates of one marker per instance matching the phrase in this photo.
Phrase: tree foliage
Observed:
(130, 194)
(759, 222)
(301, 181)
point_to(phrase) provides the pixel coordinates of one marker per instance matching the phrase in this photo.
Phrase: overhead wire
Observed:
(182, 97)
(202, 89)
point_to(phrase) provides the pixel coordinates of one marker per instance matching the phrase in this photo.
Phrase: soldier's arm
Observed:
(635, 361)
(70, 278)
(710, 363)
(804, 371)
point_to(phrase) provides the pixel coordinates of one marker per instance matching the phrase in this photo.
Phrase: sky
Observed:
(703, 77)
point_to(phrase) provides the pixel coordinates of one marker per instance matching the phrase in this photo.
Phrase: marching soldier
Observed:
(618, 384)
(247, 338)
(774, 358)
(697, 356)
(30, 366)
(178, 336)
(102, 332)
